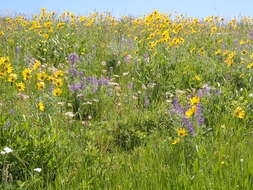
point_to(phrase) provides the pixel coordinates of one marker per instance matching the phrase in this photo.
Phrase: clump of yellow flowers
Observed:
(239, 113)
(181, 132)
(191, 111)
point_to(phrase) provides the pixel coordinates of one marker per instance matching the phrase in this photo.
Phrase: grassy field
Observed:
(97, 102)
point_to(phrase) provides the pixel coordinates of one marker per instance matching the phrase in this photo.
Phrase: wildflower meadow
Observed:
(158, 102)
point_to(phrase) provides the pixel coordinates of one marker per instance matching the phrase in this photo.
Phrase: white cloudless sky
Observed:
(197, 8)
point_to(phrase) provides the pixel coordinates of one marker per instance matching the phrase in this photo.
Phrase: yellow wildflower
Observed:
(41, 76)
(40, 85)
(57, 92)
(20, 86)
(26, 74)
(50, 78)
(1, 74)
(36, 65)
(12, 77)
(250, 66)
(177, 140)
(58, 74)
(41, 106)
(191, 111)
(58, 82)
(197, 77)
(194, 100)
(181, 132)
(8, 68)
(239, 113)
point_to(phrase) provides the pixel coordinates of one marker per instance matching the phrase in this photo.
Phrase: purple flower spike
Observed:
(73, 59)
(92, 80)
(103, 81)
(94, 90)
(200, 121)
(75, 87)
(188, 124)
(218, 92)
(18, 49)
(198, 111)
(177, 106)
(73, 71)
(200, 93)
(130, 85)
(200, 118)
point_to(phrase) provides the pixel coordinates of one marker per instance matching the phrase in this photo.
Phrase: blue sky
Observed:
(197, 8)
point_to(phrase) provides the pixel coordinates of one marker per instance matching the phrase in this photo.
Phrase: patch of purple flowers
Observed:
(78, 79)
(198, 117)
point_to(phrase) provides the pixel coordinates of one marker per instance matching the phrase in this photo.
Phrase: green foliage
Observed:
(121, 120)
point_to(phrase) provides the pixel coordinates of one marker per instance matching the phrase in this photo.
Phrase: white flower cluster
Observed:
(6, 150)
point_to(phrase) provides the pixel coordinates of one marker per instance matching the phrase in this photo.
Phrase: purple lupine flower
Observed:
(12, 111)
(51, 89)
(189, 96)
(92, 80)
(218, 92)
(200, 118)
(7, 124)
(18, 50)
(177, 107)
(145, 55)
(207, 90)
(236, 42)
(94, 90)
(223, 45)
(73, 71)
(128, 58)
(130, 85)
(200, 93)
(73, 59)
(188, 124)
(103, 81)
(198, 111)
(75, 87)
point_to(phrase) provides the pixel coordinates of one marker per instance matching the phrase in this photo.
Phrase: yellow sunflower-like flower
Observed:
(40, 85)
(58, 74)
(20, 86)
(194, 100)
(239, 113)
(58, 82)
(57, 92)
(8, 68)
(36, 65)
(181, 132)
(1, 74)
(191, 111)
(12, 77)
(41, 76)
(27, 74)
(41, 106)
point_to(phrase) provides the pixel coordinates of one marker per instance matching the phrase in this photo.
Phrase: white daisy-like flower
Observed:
(70, 114)
(6, 150)
(37, 170)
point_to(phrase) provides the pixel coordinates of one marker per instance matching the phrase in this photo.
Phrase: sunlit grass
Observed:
(95, 102)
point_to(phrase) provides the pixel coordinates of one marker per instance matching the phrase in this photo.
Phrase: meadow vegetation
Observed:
(97, 102)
